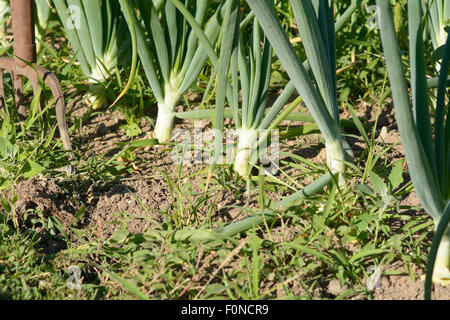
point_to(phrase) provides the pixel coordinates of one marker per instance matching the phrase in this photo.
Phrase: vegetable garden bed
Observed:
(136, 222)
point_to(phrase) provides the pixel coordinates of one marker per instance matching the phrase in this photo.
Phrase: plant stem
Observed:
(247, 139)
(164, 123)
(166, 110)
(96, 96)
(441, 271)
(336, 158)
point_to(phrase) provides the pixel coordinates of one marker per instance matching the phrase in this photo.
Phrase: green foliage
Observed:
(20, 156)
(426, 142)
(286, 247)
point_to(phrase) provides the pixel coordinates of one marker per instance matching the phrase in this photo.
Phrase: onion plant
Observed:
(425, 135)
(316, 25)
(267, 19)
(254, 119)
(252, 71)
(100, 39)
(170, 53)
(438, 18)
(43, 11)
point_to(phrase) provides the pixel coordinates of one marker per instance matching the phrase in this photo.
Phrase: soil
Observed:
(141, 198)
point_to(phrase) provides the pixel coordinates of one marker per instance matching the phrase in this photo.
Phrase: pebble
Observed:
(334, 287)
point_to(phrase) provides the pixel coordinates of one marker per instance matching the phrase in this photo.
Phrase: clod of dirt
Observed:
(47, 197)
(141, 200)
(389, 136)
(384, 134)
(44, 197)
(334, 288)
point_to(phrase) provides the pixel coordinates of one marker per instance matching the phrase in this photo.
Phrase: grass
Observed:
(335, 235)
(340, 243)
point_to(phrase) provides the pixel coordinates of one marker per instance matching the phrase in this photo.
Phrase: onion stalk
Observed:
(317, 30)
(254, 67)
(247, 140)
(251, 73)
(170, 53)
(438, 16)
(99, 38)
(252, 118)
(426, 141)
(42, 21)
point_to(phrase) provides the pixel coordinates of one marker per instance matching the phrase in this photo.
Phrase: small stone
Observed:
(334, 287)
(384, 133)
